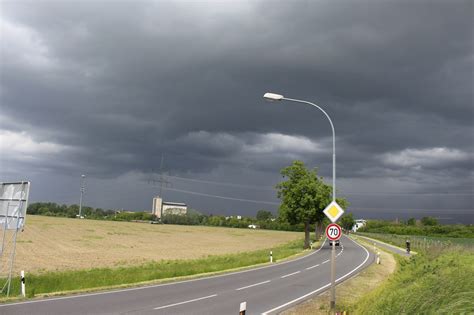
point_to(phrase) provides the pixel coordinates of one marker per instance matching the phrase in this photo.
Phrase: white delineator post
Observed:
(271, 256)
(378, 258)
(243, 308)
(23, 290)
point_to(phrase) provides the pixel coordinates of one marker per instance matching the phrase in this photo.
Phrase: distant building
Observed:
(161, 207)
(358, 224)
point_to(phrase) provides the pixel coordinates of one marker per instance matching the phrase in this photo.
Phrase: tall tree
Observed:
(303, 196)
(264, 215)
(347, 221)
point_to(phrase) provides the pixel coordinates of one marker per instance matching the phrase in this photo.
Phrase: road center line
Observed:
(290, 274)
(252, 285)
(325, 261)
(312, 267)
(185, 302)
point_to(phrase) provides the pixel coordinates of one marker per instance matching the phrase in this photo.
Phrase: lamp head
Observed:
(273, 97)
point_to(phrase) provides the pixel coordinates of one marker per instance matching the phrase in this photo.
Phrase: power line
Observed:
(353, 208)
(406, 194)
(220, 183)
(222, 197)
(268, 188)
(450, 211)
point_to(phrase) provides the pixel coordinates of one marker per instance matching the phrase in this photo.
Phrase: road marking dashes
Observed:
(252, 285)
(312, 267)
(290, 274)
(185, 302)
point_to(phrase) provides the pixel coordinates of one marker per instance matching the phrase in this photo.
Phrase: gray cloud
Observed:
(113, 85)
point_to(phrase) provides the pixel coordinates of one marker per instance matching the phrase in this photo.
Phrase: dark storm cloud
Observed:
(108, 87)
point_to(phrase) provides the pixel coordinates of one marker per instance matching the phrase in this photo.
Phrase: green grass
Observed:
(106, 277)
(438, 281)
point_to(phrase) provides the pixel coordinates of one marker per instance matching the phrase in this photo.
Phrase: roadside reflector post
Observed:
(22, 278)
(378, 258)
(271, 256)
(243, 308)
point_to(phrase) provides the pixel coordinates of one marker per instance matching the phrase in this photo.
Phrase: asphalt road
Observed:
(267, 290)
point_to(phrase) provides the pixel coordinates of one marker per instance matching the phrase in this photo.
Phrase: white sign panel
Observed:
(333, 211)
(13, 204)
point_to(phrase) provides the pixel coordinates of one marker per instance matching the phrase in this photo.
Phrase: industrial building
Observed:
(161, 207)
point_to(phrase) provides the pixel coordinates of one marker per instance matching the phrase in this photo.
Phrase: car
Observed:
(337, 243)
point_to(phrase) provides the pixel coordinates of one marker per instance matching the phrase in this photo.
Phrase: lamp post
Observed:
(83, 178)
(278, 97)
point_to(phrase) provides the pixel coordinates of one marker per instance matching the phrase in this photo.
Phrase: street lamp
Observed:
(83, 178)
(278, 97)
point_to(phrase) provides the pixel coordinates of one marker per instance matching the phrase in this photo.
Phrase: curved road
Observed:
(267, 290)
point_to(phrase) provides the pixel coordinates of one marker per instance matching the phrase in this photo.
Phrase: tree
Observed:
(264, 215)
(429, 221)
(411, 221)
(347, 221)
(303, 196)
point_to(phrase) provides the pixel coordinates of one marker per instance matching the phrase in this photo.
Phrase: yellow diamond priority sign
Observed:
(333, 211)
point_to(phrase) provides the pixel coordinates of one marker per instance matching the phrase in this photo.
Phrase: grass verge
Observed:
(351, 290)
(438, 281)
(100, 278)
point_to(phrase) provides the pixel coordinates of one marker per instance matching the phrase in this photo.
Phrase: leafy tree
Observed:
(303, 196)
(429, 221)
(347, 221)
(264, 215)
(411, 221)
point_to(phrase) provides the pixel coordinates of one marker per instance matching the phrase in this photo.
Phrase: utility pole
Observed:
(83, 178)
(161, 185)
(161, 180)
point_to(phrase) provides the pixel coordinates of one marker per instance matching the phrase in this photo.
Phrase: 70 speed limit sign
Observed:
(333, 232)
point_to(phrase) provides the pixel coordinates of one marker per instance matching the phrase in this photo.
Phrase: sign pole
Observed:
(333, 234)
(333, 277)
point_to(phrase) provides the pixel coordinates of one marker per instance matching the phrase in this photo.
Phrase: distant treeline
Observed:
(263, 220)
(427, 226)
(71, 211)
(193, 218)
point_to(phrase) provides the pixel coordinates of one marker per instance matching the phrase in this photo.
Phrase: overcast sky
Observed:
(106, 88)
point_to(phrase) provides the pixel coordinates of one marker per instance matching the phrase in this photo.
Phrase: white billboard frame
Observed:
(13, 204)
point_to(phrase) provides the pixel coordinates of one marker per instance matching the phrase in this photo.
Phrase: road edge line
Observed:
(325, 286)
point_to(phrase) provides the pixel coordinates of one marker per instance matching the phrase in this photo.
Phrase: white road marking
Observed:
(324, 286)
(290, 274)
(312, 267)
(342, 249)
(252, 285)
(325, 261)
(185, 302)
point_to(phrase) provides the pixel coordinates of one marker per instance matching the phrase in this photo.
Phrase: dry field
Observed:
(49, 243)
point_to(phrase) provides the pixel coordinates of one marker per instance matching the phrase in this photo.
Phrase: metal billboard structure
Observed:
(13, 205)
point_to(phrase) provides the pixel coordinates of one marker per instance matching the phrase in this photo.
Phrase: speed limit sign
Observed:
(333, 232)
